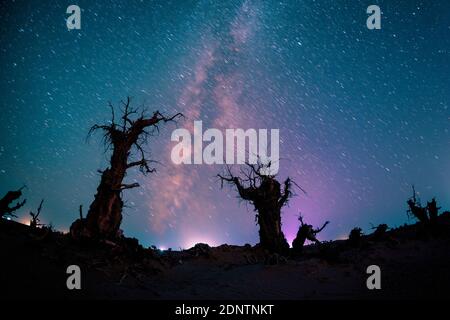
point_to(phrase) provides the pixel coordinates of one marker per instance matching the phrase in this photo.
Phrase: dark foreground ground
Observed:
(414, 262)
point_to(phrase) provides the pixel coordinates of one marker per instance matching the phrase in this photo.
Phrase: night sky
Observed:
(363, 114)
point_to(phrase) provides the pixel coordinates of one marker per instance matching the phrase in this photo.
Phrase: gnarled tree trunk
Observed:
(105, 212)
(265, 194)
(270, 234)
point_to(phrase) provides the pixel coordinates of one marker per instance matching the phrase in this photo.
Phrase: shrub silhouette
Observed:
(355, 236)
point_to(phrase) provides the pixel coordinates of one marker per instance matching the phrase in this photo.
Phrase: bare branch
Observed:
(245, 193)
(7, 200)
(40, 207)
(35, 217)
(301, 189)
(129, 186)
(323, 227)
(125, 116)
(17, 206)
(300, 218)
(143, 166)
(287, 193)
(113, 116)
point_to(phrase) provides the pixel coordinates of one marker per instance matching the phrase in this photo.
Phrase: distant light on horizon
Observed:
(193, 241)
(24, 220)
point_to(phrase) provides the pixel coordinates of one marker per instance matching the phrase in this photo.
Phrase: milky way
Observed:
(363, 114)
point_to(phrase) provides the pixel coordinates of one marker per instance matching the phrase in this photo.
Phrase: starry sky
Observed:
(363, 114)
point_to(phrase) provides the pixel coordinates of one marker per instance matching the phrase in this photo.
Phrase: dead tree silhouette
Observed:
(125, 139)
(415, 208)
(426, 215)
(7, 200)
(433, 210)
(306, 232)
(35, 221)
(355, 236)
(265, 193)
(380, 231)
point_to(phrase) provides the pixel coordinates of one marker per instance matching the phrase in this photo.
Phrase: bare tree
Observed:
(426, 215)
(35, 221)
(267, 197)
(306, 232)
(355, 236)
(126, 139)
(433, 210)
(7, 200)
(415, 208)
